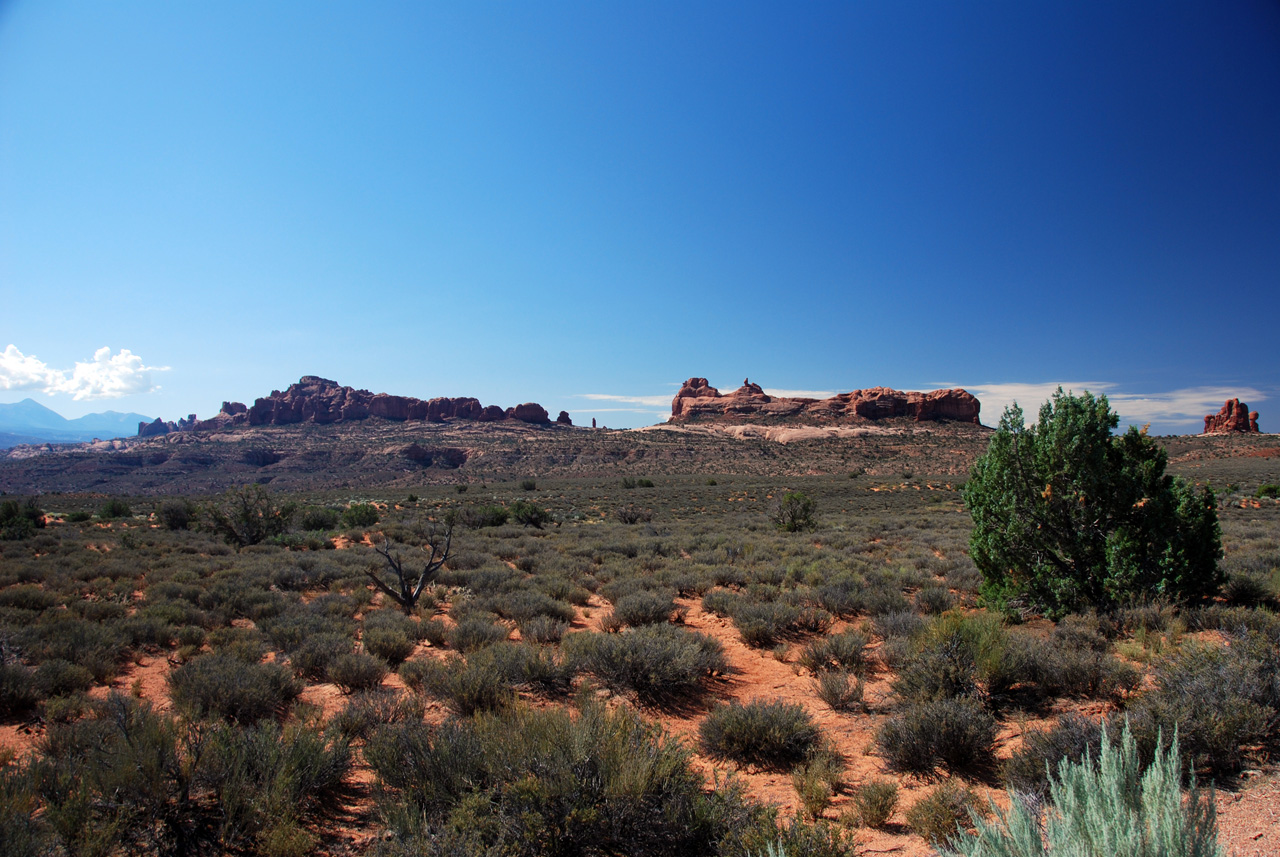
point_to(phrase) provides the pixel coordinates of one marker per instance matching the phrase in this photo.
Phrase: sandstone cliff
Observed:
(1234, 416)
(319, 400)
(698, 400)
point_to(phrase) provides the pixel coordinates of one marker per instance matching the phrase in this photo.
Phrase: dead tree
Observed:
(407, 587)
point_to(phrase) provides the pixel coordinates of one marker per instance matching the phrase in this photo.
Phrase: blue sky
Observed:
(560, 201)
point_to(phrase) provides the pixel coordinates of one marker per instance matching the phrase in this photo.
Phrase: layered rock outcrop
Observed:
(1234, 416)
(699, 400)
(319, 400)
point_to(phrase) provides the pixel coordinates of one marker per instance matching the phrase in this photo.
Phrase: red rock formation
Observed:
(530, 412)
(390, 407)
(699, 400)
(958, 405)
(440, 409)
(319, 400)
(1234, 416)
(694, 388)
(563, 419)
(153, 429)
(232, 415)
(312, 399)
(158, 427)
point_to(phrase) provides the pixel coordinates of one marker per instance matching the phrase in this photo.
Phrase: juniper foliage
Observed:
(1068, 516)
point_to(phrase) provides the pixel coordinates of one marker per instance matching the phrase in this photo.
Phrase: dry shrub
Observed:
(873, 803)
(767, 733)
(656, 661)
(957, 734)
(944, 813)
(840, 689)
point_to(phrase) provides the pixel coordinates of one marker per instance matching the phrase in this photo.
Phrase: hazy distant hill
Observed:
(29, 421)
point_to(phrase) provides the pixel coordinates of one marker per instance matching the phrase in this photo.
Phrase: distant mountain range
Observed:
(29, 421)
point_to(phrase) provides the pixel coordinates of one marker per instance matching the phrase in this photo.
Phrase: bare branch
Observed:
(411, 586)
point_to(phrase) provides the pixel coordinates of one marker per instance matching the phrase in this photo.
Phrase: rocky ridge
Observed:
(1234, 416)
(698, 400)
(319, 400)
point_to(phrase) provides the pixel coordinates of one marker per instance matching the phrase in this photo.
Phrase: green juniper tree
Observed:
(19, 520)
(249, 516)
(794, 512)
(1068, 515)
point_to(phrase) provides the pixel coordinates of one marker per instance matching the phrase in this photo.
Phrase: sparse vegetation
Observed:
(645, 607)
(475, 633)
(816, 782)
(1218, 700)
(478, 517)
(874, 614)
(1069, 740)
(606, 783)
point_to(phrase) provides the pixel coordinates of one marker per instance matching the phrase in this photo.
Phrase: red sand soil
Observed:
(1249, 820)
(757, 674)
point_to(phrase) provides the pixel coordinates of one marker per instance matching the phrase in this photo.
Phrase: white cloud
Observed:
(664, 400)
(106, 376)
(646, 401)
(1186, 405)
(20, 372)
(800, 394)
(996, 397)
(1182, 407)
(110, 377)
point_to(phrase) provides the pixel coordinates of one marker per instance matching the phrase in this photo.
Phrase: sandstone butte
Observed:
(319, 400)
(698, 400)
(1234, 416)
